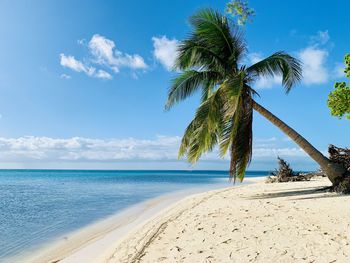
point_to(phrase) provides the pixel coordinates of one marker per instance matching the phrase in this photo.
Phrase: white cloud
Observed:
(74, 64)
(268, 82)
(102, 49)
(165, 51)
(78, 66)
(314, 69)
(105, 53)
(268, 152)
(161, 148)
(103, 74)
(102, 53)
(77, 148)
(314, 58)
(131, 153)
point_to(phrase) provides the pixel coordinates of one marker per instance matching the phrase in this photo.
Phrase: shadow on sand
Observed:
(299, 193)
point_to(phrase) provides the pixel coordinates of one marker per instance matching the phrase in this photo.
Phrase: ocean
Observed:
(39, 206)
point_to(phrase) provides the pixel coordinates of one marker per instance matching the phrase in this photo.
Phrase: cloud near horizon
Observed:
(31, 149)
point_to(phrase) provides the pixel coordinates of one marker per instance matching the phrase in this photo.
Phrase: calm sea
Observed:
(38, 206)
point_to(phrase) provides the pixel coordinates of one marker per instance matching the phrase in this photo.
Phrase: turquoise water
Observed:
(38, 206)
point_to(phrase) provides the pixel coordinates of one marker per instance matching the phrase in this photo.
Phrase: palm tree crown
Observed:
(210, 60)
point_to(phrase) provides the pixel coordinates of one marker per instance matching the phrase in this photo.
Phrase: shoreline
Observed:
(90, 242)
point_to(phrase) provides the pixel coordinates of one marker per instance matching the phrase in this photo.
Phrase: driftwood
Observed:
(285, 173)
(339, 155)
(342, 157)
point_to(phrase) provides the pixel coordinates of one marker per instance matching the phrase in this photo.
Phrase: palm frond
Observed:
(189, 82)
(234, 88)
(279, 63)
(195, 53)
(241, 136)
(215, 43)
(202, 133)
(214, 28)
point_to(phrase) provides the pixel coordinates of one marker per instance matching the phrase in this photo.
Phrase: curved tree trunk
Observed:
(334, 171)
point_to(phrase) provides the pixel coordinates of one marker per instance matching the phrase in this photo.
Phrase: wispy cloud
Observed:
(287, 152)
(314, 59)
(78, 66)
(165, 51)
(103, 74)
(102, 52)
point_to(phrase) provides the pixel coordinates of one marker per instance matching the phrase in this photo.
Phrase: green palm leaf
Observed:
(215, 43)
(279, 63)
(202, 133)
(189, 82)
(241, 147)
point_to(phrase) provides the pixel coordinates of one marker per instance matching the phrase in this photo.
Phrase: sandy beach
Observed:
(286, 222)
(258, 222)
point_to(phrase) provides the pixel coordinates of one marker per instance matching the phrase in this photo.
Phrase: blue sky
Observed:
(83, 83)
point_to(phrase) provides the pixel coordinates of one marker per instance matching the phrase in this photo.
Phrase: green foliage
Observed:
(339, 98)
(240, 10)
(347, 62)
(210, 62)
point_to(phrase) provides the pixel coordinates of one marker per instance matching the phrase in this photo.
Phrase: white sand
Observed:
(287, 222)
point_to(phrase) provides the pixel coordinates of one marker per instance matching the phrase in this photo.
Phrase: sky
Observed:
(83, 83)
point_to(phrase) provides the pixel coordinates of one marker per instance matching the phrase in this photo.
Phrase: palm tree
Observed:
(210, 61)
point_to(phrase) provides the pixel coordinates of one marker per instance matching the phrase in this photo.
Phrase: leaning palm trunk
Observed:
(334, 172)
